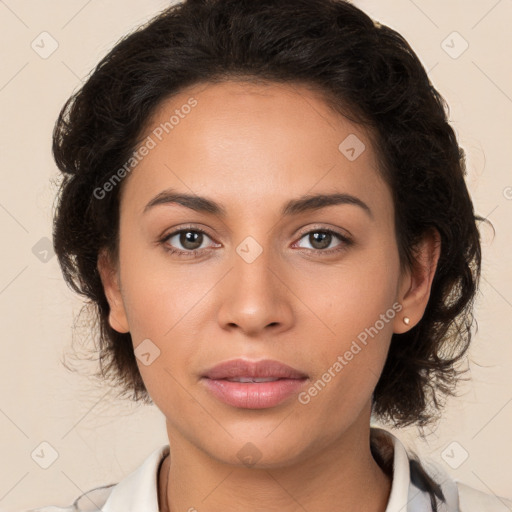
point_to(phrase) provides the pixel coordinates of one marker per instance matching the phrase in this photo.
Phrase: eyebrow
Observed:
(292, 207)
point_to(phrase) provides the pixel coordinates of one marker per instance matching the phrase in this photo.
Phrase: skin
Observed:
(251, 148)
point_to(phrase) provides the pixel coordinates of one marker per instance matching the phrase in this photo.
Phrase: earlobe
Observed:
(416, 283)
(111, 287)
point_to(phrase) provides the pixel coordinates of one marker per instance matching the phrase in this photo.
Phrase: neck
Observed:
(341, 476)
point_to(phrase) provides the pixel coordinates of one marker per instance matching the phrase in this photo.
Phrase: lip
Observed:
(253, 395)
(245, 368)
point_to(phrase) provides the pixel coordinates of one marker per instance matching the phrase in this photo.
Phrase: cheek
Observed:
(355, 305)
(349, 358)
(157, 291)
(166, 304)
(351, 295)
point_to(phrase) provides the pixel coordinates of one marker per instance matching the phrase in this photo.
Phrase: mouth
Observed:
(253, 385)
(253, 379)
(245, 369)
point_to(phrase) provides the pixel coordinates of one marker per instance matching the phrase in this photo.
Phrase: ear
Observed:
(415, 283)
(110, 279)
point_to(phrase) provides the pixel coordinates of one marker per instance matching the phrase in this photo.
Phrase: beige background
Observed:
(99, 440)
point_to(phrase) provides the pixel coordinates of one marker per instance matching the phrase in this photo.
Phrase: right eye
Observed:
(189, 239)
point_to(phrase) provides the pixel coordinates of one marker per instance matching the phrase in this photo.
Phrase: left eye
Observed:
(321, 239)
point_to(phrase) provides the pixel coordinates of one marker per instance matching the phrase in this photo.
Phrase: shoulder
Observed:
(456, 495)
(472, 500)
(136, 491)
(92, 500)
(420, 484)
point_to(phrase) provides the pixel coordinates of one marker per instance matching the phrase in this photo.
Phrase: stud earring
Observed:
(407, 320)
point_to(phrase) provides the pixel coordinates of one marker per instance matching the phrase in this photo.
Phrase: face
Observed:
(255, 271)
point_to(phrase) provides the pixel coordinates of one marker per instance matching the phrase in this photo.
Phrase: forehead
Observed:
(246, 142)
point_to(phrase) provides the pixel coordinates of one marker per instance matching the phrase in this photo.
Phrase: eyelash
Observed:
(346, 242)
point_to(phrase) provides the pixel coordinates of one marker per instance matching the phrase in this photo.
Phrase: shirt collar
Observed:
(138, 490)
(405, 495)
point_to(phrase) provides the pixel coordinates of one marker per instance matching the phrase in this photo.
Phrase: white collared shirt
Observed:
(137, 492)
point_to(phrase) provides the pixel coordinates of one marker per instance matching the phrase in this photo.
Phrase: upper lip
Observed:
(256, 369)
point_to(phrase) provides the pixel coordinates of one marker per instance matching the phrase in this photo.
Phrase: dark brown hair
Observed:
(366, 71)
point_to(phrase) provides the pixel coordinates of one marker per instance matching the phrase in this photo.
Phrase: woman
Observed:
(266, 205)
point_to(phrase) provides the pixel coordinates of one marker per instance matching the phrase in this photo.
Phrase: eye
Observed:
(322, 239)
(185, 241)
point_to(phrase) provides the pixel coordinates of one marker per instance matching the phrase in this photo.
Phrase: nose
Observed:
(255, 297)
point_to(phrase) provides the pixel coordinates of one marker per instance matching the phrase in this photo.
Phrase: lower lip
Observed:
(254, 395)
